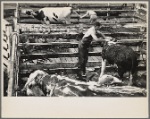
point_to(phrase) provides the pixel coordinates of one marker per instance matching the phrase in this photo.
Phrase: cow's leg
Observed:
(52, 90)
(103, 67)
(45, 21)
(67, 19)
(130, 79)
(29, 92)
(120, 71)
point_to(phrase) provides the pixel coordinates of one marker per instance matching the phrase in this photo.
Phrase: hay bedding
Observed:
(64, 86)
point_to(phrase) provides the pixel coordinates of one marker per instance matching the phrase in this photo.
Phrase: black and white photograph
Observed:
(74, 49)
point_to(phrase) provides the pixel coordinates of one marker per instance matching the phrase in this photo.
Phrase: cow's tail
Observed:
(134, 65)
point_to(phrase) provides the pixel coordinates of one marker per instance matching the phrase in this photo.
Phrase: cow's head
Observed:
(29, 12)
(108, 41)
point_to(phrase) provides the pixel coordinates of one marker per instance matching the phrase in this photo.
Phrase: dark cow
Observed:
(123, 56)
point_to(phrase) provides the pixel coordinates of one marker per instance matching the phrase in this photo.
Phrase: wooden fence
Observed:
(54, 48)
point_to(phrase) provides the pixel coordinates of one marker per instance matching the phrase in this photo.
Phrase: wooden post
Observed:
(108, 12)
(13, 58)
(17, 52)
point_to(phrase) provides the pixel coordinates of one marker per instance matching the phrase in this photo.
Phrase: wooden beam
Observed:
(80, 5)
(60, 34)
(86, 25)
(94, 9)
(12, 65)
(74, 26)
(131, 42)
(25, 72)
(54, 55)
(66, 44)
(143, 18)
(41, 29)
(73, 21)
(10, 6)
(75, 16)
(65, 65)
(85, 4)
(110, 10)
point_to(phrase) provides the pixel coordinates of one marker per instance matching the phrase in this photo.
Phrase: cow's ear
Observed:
(36, 12)
(42, 14)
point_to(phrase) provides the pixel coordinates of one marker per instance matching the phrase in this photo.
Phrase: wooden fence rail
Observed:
(118, 21)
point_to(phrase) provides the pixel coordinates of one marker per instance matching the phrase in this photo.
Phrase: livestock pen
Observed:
(54, 48)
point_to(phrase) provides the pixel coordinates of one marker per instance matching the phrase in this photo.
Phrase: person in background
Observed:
(92, 14)
(84, 44)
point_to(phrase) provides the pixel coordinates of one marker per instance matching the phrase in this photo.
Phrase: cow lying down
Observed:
(123, 56)
(41, 83)
(49, 15)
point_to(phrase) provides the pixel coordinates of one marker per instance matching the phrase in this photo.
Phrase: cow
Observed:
(40, 83)
(123, 56)
(48, 15)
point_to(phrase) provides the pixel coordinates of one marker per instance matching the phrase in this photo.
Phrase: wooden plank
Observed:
(143, 18)
(120, 4)
(100, 16)
(24, 73)
(46, 66)
(10, 6)
(73, 21)
(66, 64)
(66, 44)
(136, 25)
(39, 29)
(94, 9)
(74, 16)
(79, 5)
(71, 37)
(39, 5)
(75, 33)
(12, 67)
(131, 42)
(54, 55)
(26, 70)
(110, 11)
(73, 27)
(132, 25)
(68, 61)
(9, 13)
